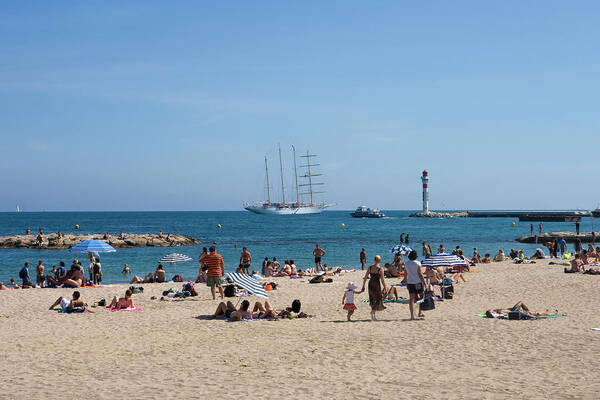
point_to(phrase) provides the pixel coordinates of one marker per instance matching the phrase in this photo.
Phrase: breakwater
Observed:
(65, 241)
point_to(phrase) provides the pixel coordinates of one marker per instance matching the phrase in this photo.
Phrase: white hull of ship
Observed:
(286, 211)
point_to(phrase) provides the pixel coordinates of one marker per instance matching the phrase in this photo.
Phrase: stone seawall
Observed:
(68, 240)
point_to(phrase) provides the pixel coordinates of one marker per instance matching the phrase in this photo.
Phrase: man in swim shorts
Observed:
(67, 304)
(216, 269)
(246, 261)
(318, 253)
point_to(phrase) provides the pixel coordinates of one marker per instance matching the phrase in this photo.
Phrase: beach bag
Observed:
(229, 291)
(23, 273)
(189, 287)
(177, 278)
(448, 292)
(427, 304)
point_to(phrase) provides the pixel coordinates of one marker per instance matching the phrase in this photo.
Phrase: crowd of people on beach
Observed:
(60, 276)
(420, 281)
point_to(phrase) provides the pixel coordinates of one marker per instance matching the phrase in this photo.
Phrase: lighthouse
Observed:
(425, 180)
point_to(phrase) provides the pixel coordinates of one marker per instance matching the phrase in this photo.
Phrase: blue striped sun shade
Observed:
(174, 258)
(444, 260)
(249, 283)
(92, 245)
(400, 249)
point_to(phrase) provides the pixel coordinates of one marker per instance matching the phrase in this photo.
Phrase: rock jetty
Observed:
(435, 214)
(68, 240)
(570, 237)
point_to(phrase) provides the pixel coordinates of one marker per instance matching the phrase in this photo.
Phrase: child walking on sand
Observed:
(348, 299)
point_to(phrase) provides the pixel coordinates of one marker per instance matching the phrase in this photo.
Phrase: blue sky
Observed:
(108, 105)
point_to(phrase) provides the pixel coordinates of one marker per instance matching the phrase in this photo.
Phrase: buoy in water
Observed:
(342, 225)
(219, 226)
(513, 224)
(77, 226)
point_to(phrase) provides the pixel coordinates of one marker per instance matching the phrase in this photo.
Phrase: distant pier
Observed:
(570, 237)
(529, 216)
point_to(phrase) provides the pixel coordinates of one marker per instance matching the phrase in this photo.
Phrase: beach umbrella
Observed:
(249, 283)
(174, 258)
(88, 246)
(401, 249)
(444, 260)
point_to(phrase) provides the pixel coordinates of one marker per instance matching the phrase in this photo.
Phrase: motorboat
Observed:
(366, 212)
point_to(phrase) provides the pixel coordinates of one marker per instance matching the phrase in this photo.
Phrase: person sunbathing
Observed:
(520, 306)
(500, 256)
(137, 279)
(293, 269)
(123, 302)
(14, 284)
(391, 271)
(67, 304)
(224, 310)
(538, 255)
(228, 310)
(487, 259)
(159, 274)
(434, 275)
(286, 270)
(75, 279)
(259, 311)
(293, 311)
(576, 265)
(476, 257)
(331, 272)
(391, 294)
(3, 287)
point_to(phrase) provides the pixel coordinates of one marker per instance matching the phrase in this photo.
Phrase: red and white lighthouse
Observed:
(425, 180)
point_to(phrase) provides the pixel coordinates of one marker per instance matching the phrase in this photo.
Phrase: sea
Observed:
(284, 237)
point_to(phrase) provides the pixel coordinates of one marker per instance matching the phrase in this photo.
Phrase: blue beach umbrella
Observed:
(444, 260)
(92, 246)
(400, 249)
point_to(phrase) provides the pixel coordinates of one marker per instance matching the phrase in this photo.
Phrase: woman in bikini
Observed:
(123, 302)
(520, 306)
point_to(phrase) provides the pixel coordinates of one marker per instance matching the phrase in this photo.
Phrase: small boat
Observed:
(596, 213)
(366, 212)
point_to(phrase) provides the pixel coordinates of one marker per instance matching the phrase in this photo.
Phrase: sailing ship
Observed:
(297, 207)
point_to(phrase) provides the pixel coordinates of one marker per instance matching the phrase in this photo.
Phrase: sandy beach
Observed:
(170, 349)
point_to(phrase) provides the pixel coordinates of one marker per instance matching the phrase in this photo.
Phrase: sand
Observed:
(169, 350)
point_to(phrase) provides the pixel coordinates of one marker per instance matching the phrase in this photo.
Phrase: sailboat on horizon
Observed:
(18, 209)
(297, 207)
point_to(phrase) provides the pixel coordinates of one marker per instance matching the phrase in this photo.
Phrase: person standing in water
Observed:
(318, 253)
(363, 259)
(375, 276)
(402, 237)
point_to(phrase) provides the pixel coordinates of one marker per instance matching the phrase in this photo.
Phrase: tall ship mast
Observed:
(297, 207)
